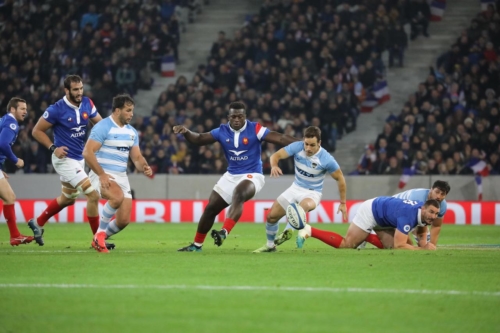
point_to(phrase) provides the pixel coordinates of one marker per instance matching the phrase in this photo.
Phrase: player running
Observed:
(69, 118)
(312, 162)
(399, 215)
(241, 140)
(9, 127)
(108, 148)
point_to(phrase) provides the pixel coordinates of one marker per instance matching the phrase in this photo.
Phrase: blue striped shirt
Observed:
(310, 171)
(421, 194)
(116, 144)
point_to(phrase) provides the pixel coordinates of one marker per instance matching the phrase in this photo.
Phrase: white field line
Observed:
(255, 288)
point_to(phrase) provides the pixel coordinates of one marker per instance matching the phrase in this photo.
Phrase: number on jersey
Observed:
(410, 202)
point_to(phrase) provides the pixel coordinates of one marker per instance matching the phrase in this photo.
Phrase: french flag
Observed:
(168, 66)
(437, 9)
(480, 169)
(479, 184)
(485, 3)
(405, 177)
(377, 96)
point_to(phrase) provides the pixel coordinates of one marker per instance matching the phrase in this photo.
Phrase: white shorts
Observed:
(70, 170)
(1, 174)
(120, 179)
(364, 216)
(228, 182)
(295, 194)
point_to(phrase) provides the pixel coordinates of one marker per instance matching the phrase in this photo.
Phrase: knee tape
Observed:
(89, 189)
(72, 195)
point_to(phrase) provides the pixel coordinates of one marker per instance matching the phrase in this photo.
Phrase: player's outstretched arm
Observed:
(338, 175)
(280, 139)
(199, 139)
(274, 159)
(401, 239)
(435, 230)
(139, 161)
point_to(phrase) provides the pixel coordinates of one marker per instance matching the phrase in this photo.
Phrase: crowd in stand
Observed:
(451, 125)
(108, 43)
(297, 63)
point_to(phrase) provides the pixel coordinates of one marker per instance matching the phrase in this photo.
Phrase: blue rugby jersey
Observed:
(421, 194)
(70, 124)
(310, 171)
(8, 135)
(116, 144)
(242, 148)
(403, 215)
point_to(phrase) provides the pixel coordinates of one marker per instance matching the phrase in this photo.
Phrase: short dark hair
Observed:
(442, 185)
(312, 132)
(14, 102)
(432, 202)
(68, 80)
(119, 101)
(238, 105)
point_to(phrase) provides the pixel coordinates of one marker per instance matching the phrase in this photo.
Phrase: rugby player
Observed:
(106, 152)
(241, 141)
(9, 127)
(69, 119)
(400, 216)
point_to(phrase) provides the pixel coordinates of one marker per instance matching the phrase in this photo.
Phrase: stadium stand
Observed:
(296, 63)
(110, 44)
(451, 124)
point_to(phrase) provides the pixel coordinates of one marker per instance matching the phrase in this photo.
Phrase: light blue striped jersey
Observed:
(420, 194)
(310, 171)
(116, 144)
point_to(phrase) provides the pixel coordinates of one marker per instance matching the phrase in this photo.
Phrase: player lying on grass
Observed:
(241, 141)
(438, 191)
(9, 127)
(68, 118)
(312, 163)
(400, 216)
(108, 148)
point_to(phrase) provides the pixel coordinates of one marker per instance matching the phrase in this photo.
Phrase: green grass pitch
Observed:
(146, 286)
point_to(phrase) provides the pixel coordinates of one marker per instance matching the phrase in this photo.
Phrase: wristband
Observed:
(52, 148)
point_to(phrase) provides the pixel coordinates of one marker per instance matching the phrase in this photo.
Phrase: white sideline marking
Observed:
(255, 288)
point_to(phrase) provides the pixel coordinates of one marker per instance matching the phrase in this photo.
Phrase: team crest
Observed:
(245, 141)
(132, 137)
(85, 115)
(314, 165)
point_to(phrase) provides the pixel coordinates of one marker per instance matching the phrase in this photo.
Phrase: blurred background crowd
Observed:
(295, 64)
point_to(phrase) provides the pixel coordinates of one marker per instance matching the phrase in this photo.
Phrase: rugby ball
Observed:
(296, 216)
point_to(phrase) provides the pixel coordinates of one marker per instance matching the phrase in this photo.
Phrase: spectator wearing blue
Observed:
(91, 17)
